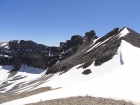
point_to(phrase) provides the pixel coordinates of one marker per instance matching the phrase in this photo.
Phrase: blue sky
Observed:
(51, 21)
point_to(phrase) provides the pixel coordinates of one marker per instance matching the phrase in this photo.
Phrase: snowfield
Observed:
(117, 79)
(25, 74)
(4, 73)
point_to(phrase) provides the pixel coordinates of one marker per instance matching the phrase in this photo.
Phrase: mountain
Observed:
(106, 67)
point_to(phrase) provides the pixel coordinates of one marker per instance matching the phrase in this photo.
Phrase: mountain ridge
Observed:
(47, 57)
(103, 67)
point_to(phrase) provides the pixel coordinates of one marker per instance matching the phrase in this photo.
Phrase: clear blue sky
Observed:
(51, 21)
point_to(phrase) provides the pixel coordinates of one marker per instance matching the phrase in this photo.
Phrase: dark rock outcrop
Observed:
(75, 54)
(101, 51)
(69, 53)
(38, 55)
(133, 38)
(91, 35)
(109, 34)
(30, 53)
(86, 72)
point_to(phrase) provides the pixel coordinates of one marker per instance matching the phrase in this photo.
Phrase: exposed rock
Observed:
(109, 34)
(87, 64)
(107, 47)
(75, 54)
(69, 53)
(133, 38)
(76, 40)
(86, 72)
(30, 53)
(37, 55)
(91, 35)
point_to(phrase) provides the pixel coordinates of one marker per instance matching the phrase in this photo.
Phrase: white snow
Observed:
(3, 44)
(26, 71)
(4, 73)
(30, 73)
(94, 42)
(97, 44)
(7, 47)
(124, 32)
(118, 79)
(57, 61)
(19, 41)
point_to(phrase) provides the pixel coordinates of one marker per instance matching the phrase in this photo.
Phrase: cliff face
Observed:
(26, 52)
(19, 52)
(78, 50)
(99, 52)
(107, 63)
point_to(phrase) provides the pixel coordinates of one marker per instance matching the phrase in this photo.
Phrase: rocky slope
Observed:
(105, 67)
(99, 51)
(37, 55)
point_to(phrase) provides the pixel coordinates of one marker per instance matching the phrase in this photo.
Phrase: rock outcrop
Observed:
(86, 72)
(30, 53)
(38, 55)
(78, 50)
(98, 52)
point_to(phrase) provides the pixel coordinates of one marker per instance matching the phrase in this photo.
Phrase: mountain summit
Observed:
(106, 67)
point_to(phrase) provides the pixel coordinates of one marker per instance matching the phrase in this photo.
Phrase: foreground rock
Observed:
(86, 72)
(82, 101)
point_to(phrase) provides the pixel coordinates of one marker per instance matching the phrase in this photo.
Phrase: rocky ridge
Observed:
(99, 51)
(85, 51)
(78, 50)
(17, 52)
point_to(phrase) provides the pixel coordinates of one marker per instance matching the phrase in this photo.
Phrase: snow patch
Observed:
(98, 44)
(124, 32)
(3, 44)
(26, 73)
(4, 72)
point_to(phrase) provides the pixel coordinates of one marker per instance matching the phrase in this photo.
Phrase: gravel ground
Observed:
(87, 100)
(24, 94)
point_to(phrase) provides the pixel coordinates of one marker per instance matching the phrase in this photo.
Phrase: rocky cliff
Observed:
(19, 52)
(99, 51)
(78, 50)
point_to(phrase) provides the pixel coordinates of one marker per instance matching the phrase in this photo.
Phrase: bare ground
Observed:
(79, 100)
(24, 94)
(87, 100)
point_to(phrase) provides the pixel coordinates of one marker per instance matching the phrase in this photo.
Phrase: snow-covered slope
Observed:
(117, 78)
(4, 73)
(24, 75)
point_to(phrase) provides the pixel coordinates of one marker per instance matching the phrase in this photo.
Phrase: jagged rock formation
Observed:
(133, 38)
(27, 52)
(99, 52)
(89, 59)
(37, 55)
(78, 50)
(70, 46)
(90, 35)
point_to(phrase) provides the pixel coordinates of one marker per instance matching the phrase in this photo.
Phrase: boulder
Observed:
(86, 72)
